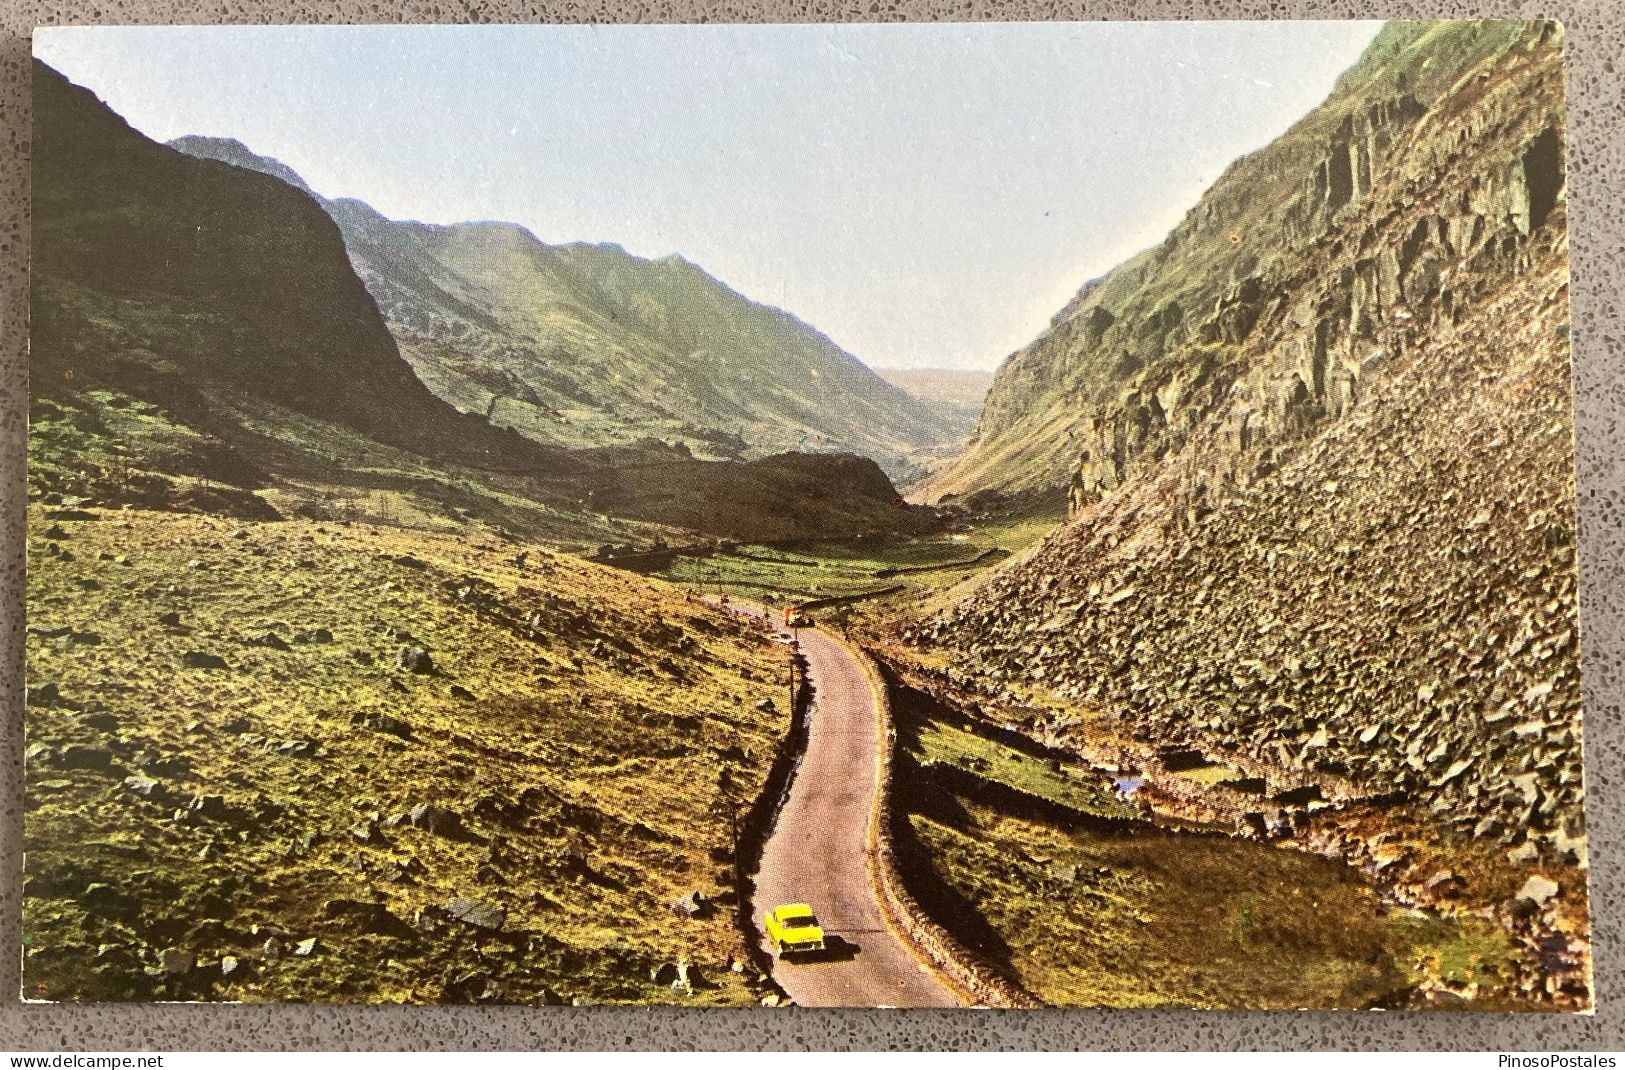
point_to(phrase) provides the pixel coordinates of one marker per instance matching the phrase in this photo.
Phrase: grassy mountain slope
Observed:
(586, 345)
(199, 340)
(222, 737)
(1322, 490)
(1088, 895)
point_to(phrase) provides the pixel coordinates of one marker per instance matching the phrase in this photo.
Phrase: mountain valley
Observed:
(404, 598)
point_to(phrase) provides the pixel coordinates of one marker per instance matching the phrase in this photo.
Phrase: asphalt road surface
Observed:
(818, 851)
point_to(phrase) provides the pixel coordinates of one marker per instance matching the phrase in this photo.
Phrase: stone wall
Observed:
(956, 963)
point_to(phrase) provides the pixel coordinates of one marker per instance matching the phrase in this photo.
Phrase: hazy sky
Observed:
(927, 195)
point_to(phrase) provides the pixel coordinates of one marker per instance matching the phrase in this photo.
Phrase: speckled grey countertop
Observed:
(1596, 44)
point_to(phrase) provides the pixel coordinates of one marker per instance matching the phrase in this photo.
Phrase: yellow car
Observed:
(793, 928)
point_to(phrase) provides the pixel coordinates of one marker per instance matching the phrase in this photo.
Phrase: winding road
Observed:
(818, 851)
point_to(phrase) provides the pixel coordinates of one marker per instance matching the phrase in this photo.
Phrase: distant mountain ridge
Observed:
(587, 345)
(234, 152)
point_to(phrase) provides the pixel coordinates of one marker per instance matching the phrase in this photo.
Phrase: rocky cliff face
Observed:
(1317, 448)
(1266, 301)
(587, 345)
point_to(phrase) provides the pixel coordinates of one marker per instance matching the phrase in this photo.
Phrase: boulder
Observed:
(379, 721)
(414, 659)
(146, 787)
(374, 918)
(101, 721)
(1537, 889)
(1444, 885)
(406, 560)
(210, 806)
(692, 905)
(107, 900)
(690, 980)
(436, 819)
(98, 759)
(1572, 848)
(476, 912)
(45, 695)
(177, 962)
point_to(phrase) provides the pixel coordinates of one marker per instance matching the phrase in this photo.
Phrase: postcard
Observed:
(934, 515)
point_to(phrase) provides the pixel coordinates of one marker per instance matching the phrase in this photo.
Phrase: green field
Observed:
(1073, 786)
(1135, 912)
(1170, 919)
(919, 564)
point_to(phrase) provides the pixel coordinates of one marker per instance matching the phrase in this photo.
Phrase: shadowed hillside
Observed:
(171, 278)
(782, 497)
